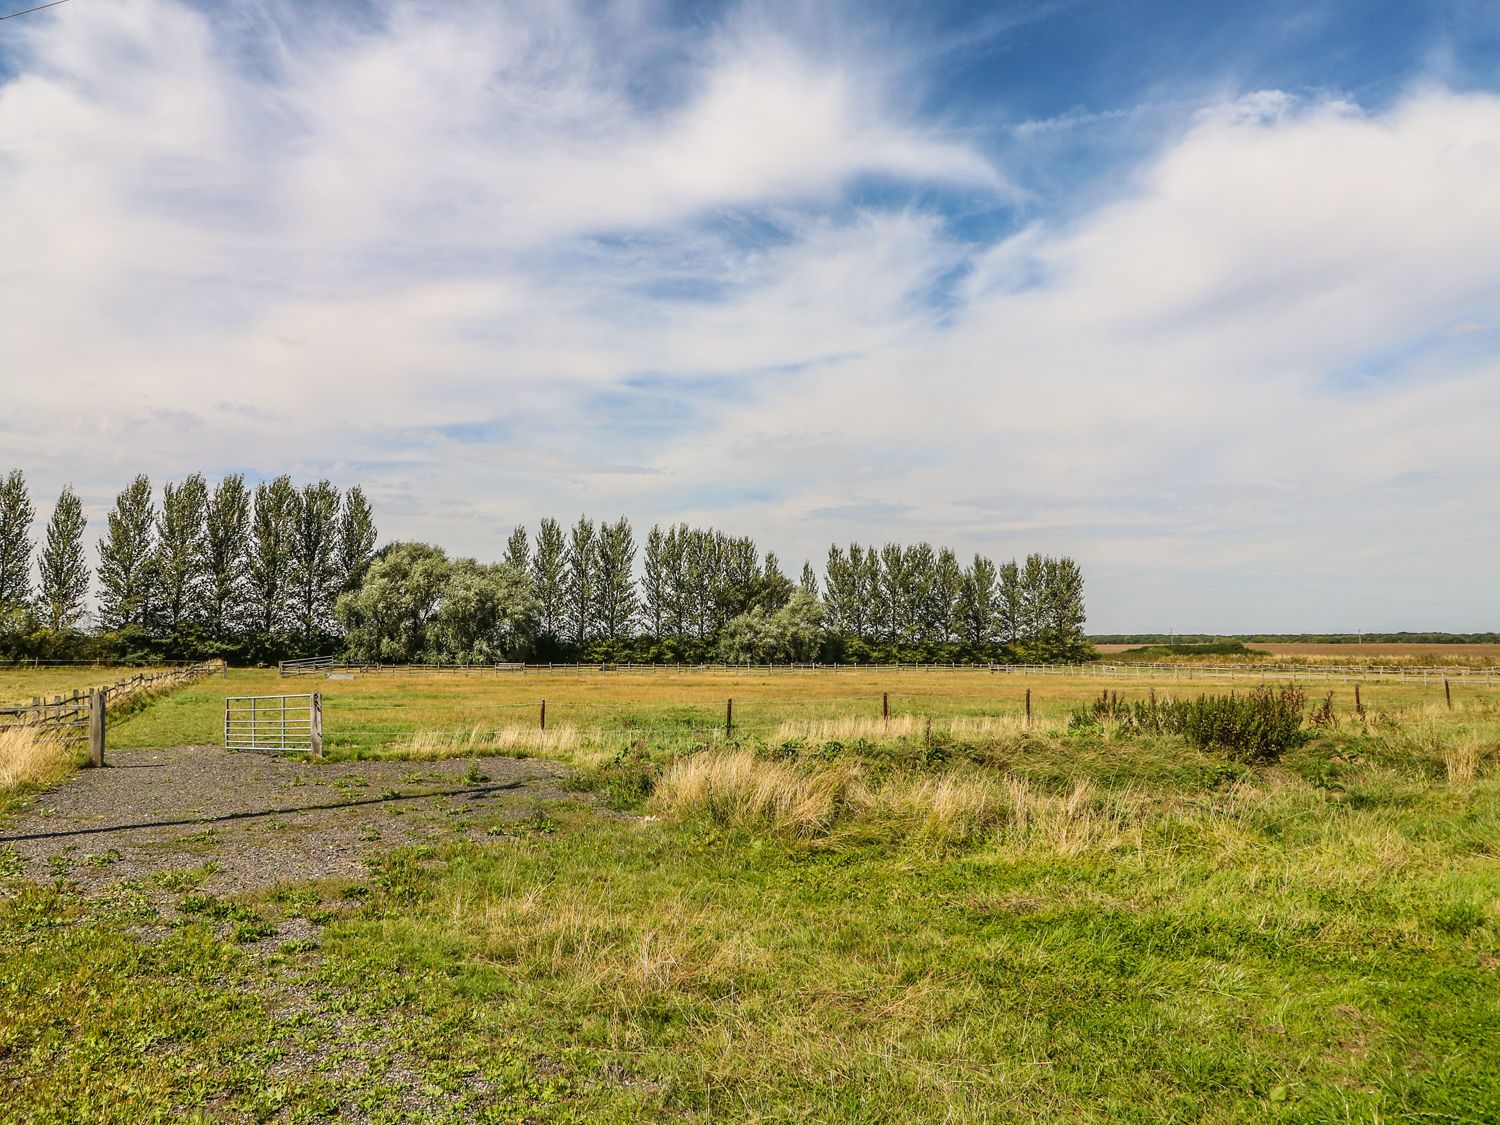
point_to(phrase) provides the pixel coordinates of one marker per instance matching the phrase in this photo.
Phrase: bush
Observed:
(1257, 727)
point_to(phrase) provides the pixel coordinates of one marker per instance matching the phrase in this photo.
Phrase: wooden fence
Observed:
(1190, 673)
(81, 713)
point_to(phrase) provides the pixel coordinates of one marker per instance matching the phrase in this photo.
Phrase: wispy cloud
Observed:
(536, 259)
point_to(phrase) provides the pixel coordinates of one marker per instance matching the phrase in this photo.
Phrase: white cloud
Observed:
(1243, 392)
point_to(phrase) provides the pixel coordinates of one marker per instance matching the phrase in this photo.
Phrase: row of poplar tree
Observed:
(246, 573)
(577, 593)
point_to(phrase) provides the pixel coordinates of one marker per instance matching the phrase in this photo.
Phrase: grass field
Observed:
(822, 917)
(1428, 655)
(19, 685)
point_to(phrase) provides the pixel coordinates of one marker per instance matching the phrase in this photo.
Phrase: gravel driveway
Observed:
(259, 820)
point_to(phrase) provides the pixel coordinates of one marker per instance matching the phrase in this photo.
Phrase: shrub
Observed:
(1257, 727)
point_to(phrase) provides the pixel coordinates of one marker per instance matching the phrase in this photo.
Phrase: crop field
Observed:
(1451, 655)
(816, 914)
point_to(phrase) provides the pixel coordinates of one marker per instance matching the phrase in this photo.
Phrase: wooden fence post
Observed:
(885, 706)
(729, 719)
(96, 727)
(317, 724)
(544, 714)
(1448, 691)
(1359, 706)
(1028, 707)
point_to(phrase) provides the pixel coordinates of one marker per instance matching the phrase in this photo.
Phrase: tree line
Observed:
(245, 573)
(577, 593)
(275, 570)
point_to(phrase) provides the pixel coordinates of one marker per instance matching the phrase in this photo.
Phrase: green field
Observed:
(984, 922)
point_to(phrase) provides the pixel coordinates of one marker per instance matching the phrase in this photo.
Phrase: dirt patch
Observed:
(199, 817)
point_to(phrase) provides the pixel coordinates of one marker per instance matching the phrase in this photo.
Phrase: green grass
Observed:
(1089, 926)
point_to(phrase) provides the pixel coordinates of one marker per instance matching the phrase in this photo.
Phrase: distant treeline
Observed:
(277, 571)
(1297, 638)
(576, 593)
(246, 574)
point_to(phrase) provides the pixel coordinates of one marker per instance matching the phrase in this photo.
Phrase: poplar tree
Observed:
(518, 552)
(16, 514)
(181, 553)
(356, 538)
(272, 557)
(226, 535)
(580, 582)
(808, 583)
(615, 596)
(1063, 615)
(316, 572)
(1011, 604)
(127, 563)
(547, 578)
(654, 564)
(63, 569)
(942, 598)
(977, 610)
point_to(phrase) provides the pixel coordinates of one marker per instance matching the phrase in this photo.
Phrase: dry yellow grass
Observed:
(444, 744)
(739, 789)
(30, 757)
(1461, 757)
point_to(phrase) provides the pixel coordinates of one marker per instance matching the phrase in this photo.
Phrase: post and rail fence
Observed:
(1156, 672)
(82, 713)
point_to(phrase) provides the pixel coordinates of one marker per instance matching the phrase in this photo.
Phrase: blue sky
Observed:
(1205, 295)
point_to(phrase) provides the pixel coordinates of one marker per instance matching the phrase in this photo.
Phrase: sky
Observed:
(1206, 296)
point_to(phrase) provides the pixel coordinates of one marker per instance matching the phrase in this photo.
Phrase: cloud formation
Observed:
(505, 261)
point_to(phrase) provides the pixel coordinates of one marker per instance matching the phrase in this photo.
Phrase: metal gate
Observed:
(274, 723)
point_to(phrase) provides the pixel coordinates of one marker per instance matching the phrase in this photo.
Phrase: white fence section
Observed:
(274, 723)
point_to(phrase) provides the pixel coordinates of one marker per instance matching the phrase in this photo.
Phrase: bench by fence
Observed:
(274, 723)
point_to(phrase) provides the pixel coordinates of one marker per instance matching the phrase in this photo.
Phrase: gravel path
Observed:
(259, 820)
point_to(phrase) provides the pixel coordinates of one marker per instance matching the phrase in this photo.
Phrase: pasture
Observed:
(817, 914)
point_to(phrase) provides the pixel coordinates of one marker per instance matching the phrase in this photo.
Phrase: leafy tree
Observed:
(63, 569)
(484, 616)
(225, 535)
(581, 582)
(316, 575)
(388, 618)
(127, 560)
(977, 610)
(809, 580)
(654, 589)
(547, 577)
(792, 633)
(181, 554)
(16, 514)
(518, 552)
(770, 588)
(943, 594)
(614, 583)
(270, 575)
(1063, 615)
(1011, 605)
(356, 538)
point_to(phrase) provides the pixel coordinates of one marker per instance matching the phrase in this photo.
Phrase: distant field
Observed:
(1456, 654)
(19, 685)
(369, 715)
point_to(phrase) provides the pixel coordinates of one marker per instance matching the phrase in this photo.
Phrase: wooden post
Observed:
(317, 724)
(928, 735)
(885, 706)
(96, 727)
(1028, 707)
(1448, 691)
(544, 714)
(729, 719)
(1359, 707)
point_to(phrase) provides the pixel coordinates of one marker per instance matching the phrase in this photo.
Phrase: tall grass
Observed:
(505, 740)
(31, 758)
(736, 788)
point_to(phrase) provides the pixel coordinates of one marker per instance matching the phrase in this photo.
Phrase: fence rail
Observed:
(71, 711)
(1258, 673)
(274, 723)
